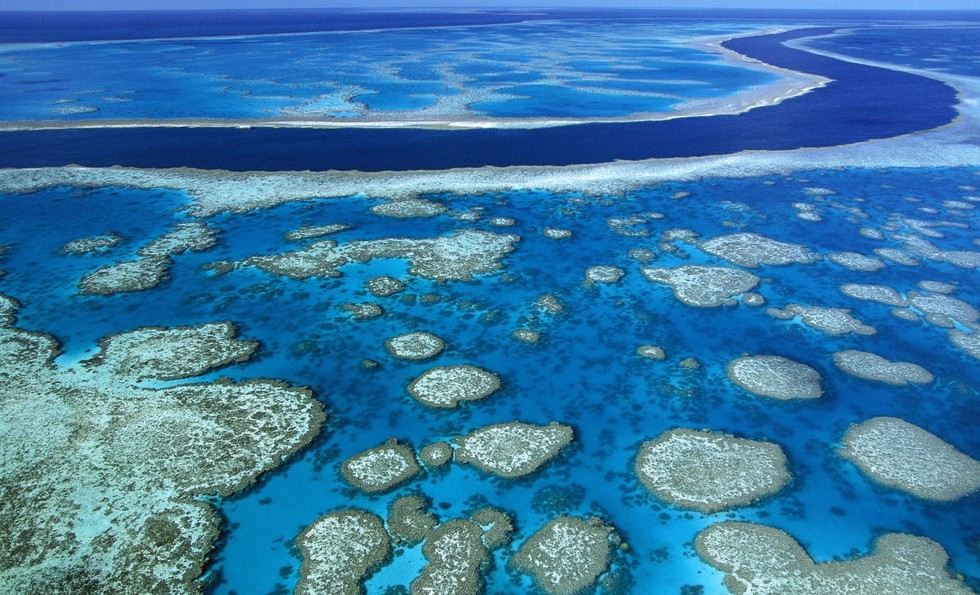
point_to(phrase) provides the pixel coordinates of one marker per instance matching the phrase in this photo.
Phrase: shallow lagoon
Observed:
(583, 372)
(524, 68)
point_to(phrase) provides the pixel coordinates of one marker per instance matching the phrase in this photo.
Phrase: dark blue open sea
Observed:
(584, 371)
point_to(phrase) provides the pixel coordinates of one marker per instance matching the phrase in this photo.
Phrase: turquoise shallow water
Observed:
(583, 373)
(516, 70)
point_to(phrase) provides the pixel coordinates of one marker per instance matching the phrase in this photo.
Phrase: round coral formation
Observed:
(710, 471)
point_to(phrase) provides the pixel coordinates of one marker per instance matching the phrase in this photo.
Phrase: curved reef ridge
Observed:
(92, 447)
(890, 104)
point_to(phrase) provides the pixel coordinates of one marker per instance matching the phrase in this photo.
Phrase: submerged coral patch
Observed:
(833, 321)
(512, 449)
(871, 366)
(340, 550)
(130, 275)
(456, 558)
(526, 335)
(150, 453)
(703, 286)
(448, 386)
(567, 555)
(171, 353)
(767, 561)
(409, 208)
(91, 244)
(384, 286)
(874, 293)
(549, 304)
(968, 342)
(775, 376)
(153, 261)
(901, 455)
(307, 232)
(457, 257)
(856, 261)
(752, 250)
(409, 519)
(555, 233)
(364, 310)
(417, 345)
(710, 471)
(603, 274)
(653, 352)
(381, 468)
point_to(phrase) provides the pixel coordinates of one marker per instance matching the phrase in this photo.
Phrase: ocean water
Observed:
(584, 372)
(948, 48)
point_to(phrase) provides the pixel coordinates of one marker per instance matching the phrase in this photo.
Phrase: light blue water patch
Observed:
(401, 96)
(536, 101)
(583, 372)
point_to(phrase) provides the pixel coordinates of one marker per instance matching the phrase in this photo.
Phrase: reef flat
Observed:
(381, 468)
(91, 244)
(512, 449)
(152, 262)
(448, 386)
(409, 519)
(339, 550)
(710, 471)
(874, 367)
(761, 559)
(171, 353)
(775, 376)
(416, 345)
(567, 555)
(752, 250)
(447, 258)
(456, 557)
(901, 455)
(704, 287)
(833, 321)
(136, 459)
